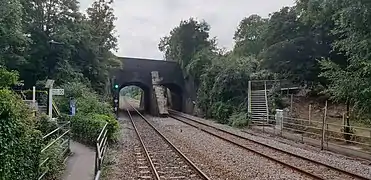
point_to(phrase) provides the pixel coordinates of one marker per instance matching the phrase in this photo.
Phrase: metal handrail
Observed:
(249, 98)
(266, 98)
(67, 132)
(100, 149)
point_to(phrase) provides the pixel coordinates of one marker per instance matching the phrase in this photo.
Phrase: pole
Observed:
(323, 127)
(347, 135)
(310, 114)
(34, 100)
(34, 95)
(50, 103)
(291, 101)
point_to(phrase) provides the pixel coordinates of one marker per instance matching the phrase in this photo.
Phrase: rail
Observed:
(201, 174)
(66, 142)
(100, 149)
(262, 144)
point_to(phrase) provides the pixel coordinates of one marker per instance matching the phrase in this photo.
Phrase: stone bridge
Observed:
(139, 72)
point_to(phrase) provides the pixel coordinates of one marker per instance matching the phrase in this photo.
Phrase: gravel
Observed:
(168, 163)
(337, 160)
(219, 159)
(119, 163)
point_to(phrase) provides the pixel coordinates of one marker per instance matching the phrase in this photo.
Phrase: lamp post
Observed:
(49, 83)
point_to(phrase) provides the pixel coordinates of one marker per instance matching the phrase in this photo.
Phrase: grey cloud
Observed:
(141, 23)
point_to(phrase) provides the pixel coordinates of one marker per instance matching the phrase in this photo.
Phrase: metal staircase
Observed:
(259, 105)
(258, 100)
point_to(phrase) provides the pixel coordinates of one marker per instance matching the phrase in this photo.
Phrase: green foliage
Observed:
(249, 36)
(112, 127)
(45, 125)
(221, 111)
(86, 128)
(87, 101)
(131, 91)
(350, 81)
(8, 78)
(185, 41)
(13, 43)
(83, 48)
(20, 142)
(240, 119)
(290, 44)
(91, 114)
(55, 165)
(224, 86)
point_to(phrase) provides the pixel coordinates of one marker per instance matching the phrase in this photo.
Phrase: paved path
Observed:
(80, 165)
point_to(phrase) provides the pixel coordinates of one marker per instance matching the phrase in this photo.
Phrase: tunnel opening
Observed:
(135, 93)
(174, 96)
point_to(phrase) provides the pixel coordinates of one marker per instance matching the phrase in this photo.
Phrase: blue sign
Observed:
(72, 107)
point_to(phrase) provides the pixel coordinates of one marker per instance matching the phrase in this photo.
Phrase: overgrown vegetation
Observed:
(131, 91)
(39, 40)
(20, 141)
(321, 42)
(91, 115)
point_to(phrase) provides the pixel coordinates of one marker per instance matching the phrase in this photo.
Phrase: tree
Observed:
(185, 41)
(249, 36)
(351, 82)
(13, 43)
(100, 43)
(44, 21)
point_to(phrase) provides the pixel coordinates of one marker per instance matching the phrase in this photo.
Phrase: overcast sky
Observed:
(141, 23)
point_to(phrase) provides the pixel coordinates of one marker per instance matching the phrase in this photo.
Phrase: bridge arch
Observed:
(174, 95)
(146, 96)
(138, 72)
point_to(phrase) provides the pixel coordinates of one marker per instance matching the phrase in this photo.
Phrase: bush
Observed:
(113, 126)
(20, 142)
(221, 111)
(45, 125)
(54, 165)
(240, 119)
(86, 128)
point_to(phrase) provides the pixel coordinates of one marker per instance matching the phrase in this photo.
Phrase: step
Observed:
(258, 105)
(259, 108)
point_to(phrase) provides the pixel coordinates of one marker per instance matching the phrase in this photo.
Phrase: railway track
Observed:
(309, 167)
(165, 161)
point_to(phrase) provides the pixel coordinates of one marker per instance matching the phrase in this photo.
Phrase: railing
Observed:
(56, 109)
(266, 97)
(101, 147)
(65, 130)
(269, 84)
(323, 133)
(249, 98)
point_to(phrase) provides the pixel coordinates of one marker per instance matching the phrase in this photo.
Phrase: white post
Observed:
(323, 127)
(49, 84)
(50, 108)
(279, 119)
(34, 96)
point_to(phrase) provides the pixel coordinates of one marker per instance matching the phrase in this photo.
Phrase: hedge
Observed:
(20, 141)
(86, 128)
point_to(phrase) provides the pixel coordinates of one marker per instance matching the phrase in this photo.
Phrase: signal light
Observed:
(116, 86)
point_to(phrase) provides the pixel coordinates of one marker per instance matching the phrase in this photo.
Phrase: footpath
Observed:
(80, 165)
